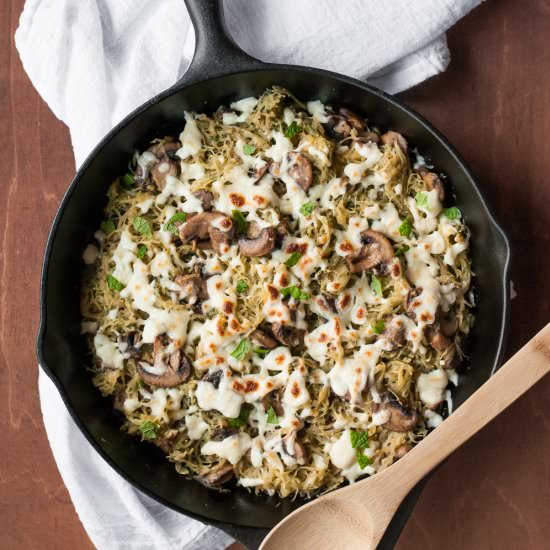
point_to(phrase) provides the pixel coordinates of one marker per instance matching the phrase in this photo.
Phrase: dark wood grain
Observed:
(492, 103)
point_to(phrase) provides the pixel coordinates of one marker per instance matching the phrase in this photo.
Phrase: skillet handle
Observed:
(216, 53)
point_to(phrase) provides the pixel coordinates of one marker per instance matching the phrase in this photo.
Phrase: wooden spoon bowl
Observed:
(356, 516)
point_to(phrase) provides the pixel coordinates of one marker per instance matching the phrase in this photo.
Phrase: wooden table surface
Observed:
(493, 104)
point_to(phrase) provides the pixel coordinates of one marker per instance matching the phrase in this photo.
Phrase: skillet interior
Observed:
(62, 350)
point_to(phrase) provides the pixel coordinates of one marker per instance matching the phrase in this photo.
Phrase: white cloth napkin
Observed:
(93, 61)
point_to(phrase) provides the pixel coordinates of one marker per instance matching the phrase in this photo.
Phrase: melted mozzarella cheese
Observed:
(431, 387)
(335, 188)
(222, 399)
(296, 394)
(244, 107)
(108, 352)
(388, 221)
(195, 425)
(317, 110)
(319, 341)
(281, 147)
(123, 256)
(231, 448)
(190, 138)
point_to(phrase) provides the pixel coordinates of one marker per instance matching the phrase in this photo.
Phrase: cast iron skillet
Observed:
(219, 74)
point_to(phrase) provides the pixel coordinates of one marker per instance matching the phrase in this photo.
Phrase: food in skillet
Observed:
(278, 297)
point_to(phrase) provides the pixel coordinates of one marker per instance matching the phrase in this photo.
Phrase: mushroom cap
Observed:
(409, 302)
(437, 339)
(206, 198)
(352, 118)
(288, 335)
(395, 138)
(299, 169)
(375, 254)
(274, 399)
(218, 475)
(260, 244)
(205, 228)
(214, 377)
(432, 181)
(396, 335)
(294, 447)
(174, 369)
(400, 418)
(263, 339)
(194, 288)
(167, 163)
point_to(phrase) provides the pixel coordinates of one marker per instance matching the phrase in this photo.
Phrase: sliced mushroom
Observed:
(432, 181)
(437, 339)
(400, 419)
(167, 163)
(133, 341)
(214, 377)
(396, 334)
(402, 450)
(410, 303)
(353, 119)
(259, 173)
(299, 169)
(193, 288)
(375, 254)
(395, 138)
(340, 125)
(448, 323)
(368, 135)
(273, 399)
(209, 229)
(263, 339)
(218, 475)
(451, 357)
(257, 242)
(223, 432)
(168, 370)
(206, 198)
(293, 447)
(288, 335)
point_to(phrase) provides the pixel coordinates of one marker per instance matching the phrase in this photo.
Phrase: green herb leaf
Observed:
(421, 199)
(295, 292)
(170, 225)
(405, 228)
(241, 350)
(402, 249)
(241, 420)
(272, 417)
(107, 226)
(141, 225)
(141, 251)
(114, 284)
(240, 221)
(307, 208)
(363, 460)
(359, 440)
(293, 259)
(379, 327)
(249, 149)
(452, 213)
(262, 352)
(127, 181)
(376, 285)
(292, 129)
(148, 429)
(242, 286)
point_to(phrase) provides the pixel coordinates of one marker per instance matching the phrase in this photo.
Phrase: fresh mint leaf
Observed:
(240, 221)
(452, 213)
(421, 199)
(405, 228)
(148, 429)
(249, 149)
(114, 284)
(359, 440)
(292, 129)
(363, 460)
(240, 352)
(402, 249)
(293, 259)
(170, 225)
(272, 417)
(141, 251)
(295, 292)
(107, 226)
(127, 181)
(307, 208)
(379, 327)
(242, 286)
(376, 285)
(141, 225)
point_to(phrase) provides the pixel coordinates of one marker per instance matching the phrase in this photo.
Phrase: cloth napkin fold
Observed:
(93, 61)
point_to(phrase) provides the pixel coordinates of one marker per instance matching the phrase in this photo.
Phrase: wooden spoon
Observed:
(355, 517)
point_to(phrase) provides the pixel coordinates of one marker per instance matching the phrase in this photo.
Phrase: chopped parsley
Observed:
(422, 200)
(402, 249)
(359, 440)
(241, 420)
(148, 429)
(242, 286)
(240, 352)
(114, 284)
(362, 460)
(170, 225)
(141, 225)
(127, 181)
(240, 220)
(376, 285)
(272, 417)
(307, 208)
(379, 327)
(292, 129)
(295, 292)
(405, 228)
(293, 259)
(141, 251)
(249, 149)
(452, 213)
